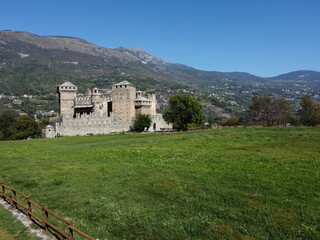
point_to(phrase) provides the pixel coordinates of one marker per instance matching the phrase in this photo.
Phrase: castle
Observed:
(96, 113)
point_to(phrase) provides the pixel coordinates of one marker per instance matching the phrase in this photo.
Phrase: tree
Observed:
(23, 128)
(309, 112)
(6, 121)
(269, 111)
(183, 110)
(141, 122)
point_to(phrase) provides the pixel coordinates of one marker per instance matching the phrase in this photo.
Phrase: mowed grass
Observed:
(230, 183)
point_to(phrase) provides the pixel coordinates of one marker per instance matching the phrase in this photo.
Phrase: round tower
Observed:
(67, 95)
(123, 96)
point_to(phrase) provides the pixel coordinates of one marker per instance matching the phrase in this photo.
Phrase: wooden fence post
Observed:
(3, 190)
(14, 198)
(47, 218)
(29, 207)
(71, 230)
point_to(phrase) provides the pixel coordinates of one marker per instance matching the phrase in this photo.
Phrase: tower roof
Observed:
(123, 83)
(67, 84)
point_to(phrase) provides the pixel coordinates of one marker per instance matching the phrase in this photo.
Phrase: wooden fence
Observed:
(11, 196)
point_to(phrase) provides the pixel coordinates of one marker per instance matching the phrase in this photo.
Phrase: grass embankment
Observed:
(254, 183)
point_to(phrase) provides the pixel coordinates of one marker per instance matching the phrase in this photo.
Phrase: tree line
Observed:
(184, 112)
(275, 111)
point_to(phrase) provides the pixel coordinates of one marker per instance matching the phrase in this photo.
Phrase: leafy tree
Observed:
(183, 110)
(42, 123)
(269, 111)
(309, 112)
(24, 127)
(141, 122)
(6, 121)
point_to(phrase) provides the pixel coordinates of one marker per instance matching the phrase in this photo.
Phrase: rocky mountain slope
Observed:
(33, 66)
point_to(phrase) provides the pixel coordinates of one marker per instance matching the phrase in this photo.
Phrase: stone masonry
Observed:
(99, 114)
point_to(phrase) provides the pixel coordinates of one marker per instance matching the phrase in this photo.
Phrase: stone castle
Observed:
(96, 113)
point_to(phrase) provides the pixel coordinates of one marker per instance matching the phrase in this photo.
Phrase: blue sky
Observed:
(263, 37)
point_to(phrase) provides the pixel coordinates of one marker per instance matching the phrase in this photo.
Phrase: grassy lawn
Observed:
(230, 183)
(11, 229)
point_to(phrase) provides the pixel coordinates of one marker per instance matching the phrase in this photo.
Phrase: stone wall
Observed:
(90, 124)
(158, 123)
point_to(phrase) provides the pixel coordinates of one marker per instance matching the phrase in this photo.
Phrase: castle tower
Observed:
(153, 108)
(67, 95)
(97, 101)
(123, 96)
(142, 104)
(96, 95)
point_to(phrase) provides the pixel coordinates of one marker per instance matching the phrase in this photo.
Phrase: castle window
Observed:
(125, 86)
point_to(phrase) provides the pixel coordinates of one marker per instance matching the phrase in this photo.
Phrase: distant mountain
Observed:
(33, 65)
(303, 75)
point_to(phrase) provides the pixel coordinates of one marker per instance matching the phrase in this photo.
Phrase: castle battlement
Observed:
(86, 100)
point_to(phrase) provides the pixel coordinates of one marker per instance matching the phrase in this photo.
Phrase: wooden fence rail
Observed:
(28, 210)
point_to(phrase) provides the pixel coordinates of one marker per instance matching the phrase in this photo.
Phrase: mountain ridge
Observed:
(298, 75)
(35, 65)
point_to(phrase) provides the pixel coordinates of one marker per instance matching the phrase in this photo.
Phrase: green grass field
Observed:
(230, 183)
(12, 229)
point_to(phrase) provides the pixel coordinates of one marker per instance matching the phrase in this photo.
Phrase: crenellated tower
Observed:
(123, 96)
(67, 95)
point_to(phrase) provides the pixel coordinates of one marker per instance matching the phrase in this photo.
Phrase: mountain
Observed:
(32, 66)
(303, 75)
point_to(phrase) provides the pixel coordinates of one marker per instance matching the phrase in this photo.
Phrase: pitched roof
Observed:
(67, 84)
(123, 83)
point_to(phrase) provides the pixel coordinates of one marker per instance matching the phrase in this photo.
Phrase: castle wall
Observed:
(158, 123)
(143, 110)
(90, 124)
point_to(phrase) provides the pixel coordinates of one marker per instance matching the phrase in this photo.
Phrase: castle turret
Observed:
(96, 95)
(97, 101)
(142, 104)
(123, 96)
(67, 95)
(153, 108)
